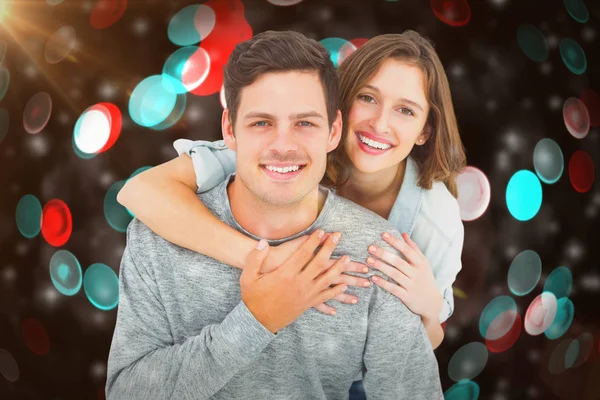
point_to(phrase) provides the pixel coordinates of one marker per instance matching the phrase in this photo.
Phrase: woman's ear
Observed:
(424, 136)
(227, 129)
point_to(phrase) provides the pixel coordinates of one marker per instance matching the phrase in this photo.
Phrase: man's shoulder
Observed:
(147, 244)
(358, 218)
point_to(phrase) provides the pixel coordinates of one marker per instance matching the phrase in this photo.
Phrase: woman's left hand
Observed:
(412, 280)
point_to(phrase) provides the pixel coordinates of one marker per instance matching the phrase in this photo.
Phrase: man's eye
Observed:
(260, 123)
(306, 123)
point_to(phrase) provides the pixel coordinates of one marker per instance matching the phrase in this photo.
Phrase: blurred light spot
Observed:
(204, 20)
(182, 29)
(57, 223)
(187, 67)
(152, 100)
(9, 274)
(588, 34)
(540, 314)
(591, 100)
(462, 390)
(548, 161)
(116, 215)
(468, 361)
(571, 354)
(555, 103)
(576, 117)
(346, 50)
(4, 82)
(524, 195)
(590, 282)
(497, 318)
(101, 286)
(564, 317)
(140, 26)
(107, 12)
(65, 272)
(359, 42)
(284, 2)
(451, 12)
(222, 97)
(60, 44)
(54, 2)
(586, 345)
(532, 43)
(35, 336)
(573, 56)
(37, 112)
(3, 48)
(175, 115)
(507, 341)
(107, 90)
(4, 122)
(581, 171)
(29, 216)
(334, 46)
(8, 366)
(473, 193)
(556, 363)
(559, 282)
(524, 272)
(577, 10)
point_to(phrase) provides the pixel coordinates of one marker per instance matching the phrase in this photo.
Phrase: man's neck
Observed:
(272, 222)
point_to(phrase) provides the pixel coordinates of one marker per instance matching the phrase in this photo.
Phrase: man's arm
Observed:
(145, 363)
(399, 360)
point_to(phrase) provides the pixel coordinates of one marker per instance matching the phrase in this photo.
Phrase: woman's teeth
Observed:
(373, 144)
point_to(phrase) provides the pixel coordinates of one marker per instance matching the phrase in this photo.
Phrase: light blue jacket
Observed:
(430, 217)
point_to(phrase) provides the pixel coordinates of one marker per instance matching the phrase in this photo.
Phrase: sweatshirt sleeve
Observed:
(144, 361)
(399, 360)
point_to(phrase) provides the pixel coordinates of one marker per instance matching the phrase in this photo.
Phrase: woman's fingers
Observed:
(399, 244)
(412, 243)
(391, 259)
(351, 280)
(394, 289)
(397, 275)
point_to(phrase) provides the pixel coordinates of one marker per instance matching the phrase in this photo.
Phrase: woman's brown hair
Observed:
(442, 158)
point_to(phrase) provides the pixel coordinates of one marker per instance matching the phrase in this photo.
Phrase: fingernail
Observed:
(332, 313)
(365, 270)
(375, 278)
(354, 301)
(261, 245)
(367, 284)
(372, 249)
(386, 235)
(320, 233)
(336, 238)
(371, 260)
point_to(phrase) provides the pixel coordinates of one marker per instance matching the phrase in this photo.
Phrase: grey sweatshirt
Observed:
(183, 332)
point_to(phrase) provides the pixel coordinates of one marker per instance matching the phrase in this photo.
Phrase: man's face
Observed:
(281, 136)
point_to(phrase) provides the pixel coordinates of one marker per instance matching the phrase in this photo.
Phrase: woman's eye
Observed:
(367, 98)
(406, 111)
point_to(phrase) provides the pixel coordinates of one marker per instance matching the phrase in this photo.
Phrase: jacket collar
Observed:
(408, 203)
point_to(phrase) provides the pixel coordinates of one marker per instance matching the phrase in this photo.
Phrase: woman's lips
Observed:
(370, 150)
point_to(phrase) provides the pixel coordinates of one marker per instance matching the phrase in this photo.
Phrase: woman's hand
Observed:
(414, 281)
(279, 254)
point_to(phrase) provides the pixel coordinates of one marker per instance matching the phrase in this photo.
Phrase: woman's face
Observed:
(388, 117)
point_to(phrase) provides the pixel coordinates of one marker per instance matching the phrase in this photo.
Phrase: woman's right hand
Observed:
(279, 254)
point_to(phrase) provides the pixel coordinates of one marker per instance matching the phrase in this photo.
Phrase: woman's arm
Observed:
(164, 198)
(434, 329)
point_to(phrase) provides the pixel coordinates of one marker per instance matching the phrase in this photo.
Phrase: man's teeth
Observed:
(374, 144)
(283, 170)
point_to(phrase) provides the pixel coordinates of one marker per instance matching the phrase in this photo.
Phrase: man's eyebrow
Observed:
(376, 89)
(308, 114)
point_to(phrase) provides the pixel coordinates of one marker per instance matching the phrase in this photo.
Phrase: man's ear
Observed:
(336, 132)
(424, 136)
(227, 129)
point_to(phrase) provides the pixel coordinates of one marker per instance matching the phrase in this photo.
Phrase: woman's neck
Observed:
(376, 191)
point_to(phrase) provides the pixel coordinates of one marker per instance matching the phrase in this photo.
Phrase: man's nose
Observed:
(283, 141)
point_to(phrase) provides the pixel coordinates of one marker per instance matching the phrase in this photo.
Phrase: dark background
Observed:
(505, 104)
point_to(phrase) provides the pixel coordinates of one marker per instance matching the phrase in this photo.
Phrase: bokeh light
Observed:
(524, 195)
(334, 46)
(451, 12)
(60, 44)
(540, 314)
(524, 272)
(556, 363)
(54, 2)
(591, 99)
(116, 215)
(107, 12)
(4, 82)
(581, 171)
(573, 56)
(35, 336)
(577, 10)
(98, 128)
(8, 366)
(463, 390)
(532, 42)
(284, 2)
(182, 27)
(65, 272)
(4, 123)
(473, 193)
(559, 282)
(507, 341)
(152, 101)
(576, 117)
(572, 352)
(565, 311)
(586, 345)
(57, 223)
(468, 361)
(3, 48)
(222, 97)
(548, 161)
(37, 112)
(175, 115)
(29, 216)
(187, 67)
(497, 318)
(101, 286)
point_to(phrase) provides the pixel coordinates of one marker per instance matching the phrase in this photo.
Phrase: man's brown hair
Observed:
(273, 51)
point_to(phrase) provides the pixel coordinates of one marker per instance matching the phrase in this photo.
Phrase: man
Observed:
(189, 326)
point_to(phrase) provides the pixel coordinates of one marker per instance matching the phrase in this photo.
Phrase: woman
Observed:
(399, 156)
